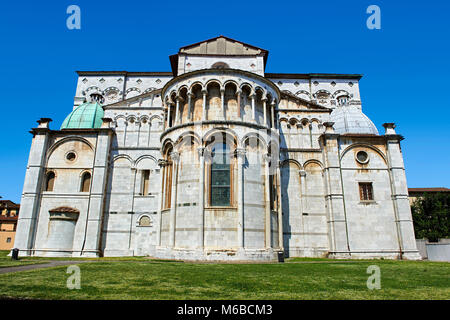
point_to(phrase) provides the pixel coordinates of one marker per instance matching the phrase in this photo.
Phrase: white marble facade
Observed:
(217, 160)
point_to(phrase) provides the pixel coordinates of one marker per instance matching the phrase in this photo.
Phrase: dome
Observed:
(350, 119)
(86, 116)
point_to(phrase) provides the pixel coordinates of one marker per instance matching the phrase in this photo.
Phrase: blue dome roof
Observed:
(86, 116)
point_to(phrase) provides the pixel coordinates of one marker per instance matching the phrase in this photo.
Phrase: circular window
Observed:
(71, 156)
(362, 157)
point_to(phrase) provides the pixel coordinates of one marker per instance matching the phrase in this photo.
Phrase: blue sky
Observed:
(405, 64)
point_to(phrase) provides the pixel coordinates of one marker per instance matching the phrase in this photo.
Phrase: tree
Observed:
(431, 216)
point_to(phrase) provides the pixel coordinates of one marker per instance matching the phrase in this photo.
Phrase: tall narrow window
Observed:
(85, 182)
(220, 175)
(50, 181)
(273, 192)
(365, 191)
(145, 180)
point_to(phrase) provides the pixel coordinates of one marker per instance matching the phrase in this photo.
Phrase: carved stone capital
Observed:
(267, 157)
(240, 153)
(175, 156)
(201, 151)
(162, 162)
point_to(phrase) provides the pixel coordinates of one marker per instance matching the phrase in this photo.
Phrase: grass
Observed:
(6, 261)
(141, 278)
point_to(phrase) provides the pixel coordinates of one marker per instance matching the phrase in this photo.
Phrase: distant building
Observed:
(9, 212)
(415, 193)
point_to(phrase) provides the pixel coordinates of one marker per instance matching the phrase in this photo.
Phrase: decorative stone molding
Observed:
(390, 128)
(44, 122)
(328, 127)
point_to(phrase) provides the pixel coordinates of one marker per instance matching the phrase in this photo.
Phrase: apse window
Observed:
(366, 191)
(220, 175)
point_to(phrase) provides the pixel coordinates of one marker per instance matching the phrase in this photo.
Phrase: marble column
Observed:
(265, 111)
(253, 96)
(204, 92)
(190, 109)
(268, 224)
(201, 198)
(175, 156)
(177, 119)
(273, 104)
(238, 99)
(161, 163)
(169, 114)
(222, 99)
(280, 210)
(240, 154)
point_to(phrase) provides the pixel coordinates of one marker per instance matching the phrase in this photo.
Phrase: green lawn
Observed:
(6, 261)
(145, 279)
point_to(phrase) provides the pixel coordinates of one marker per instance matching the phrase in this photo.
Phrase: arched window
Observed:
(220, 192)
(145, 221)
(96, 97)
(50, 181)
(343, 100)
(220, 65)
(85, 182)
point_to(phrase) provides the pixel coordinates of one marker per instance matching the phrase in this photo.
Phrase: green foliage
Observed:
(431, 216)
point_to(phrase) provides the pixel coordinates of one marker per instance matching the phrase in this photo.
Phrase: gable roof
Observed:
(222, 45)
(219, 46)
(287, 94)
(132, 99)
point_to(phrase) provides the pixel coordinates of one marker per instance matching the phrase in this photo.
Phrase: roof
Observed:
(309, 103)
(125, 73)
(86, 116)
(9, 219)
(218, 46)
(313, 75)
(9, 204)
(350, 119)
(135, 98)
(225, 38)
(428, 190)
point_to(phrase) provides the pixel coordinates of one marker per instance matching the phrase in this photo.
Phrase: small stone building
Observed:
(216, 160)
(9, 212)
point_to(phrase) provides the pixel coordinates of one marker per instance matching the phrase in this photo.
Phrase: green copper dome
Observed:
(86, 116)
